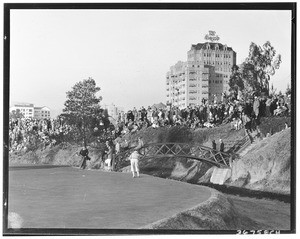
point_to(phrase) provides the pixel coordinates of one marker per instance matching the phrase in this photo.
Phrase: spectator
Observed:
(246, 122)
(109, 153)
(140, 144)
(84, 153)
(221, 146)
(256, 105)
(214, 145)
(268, 104)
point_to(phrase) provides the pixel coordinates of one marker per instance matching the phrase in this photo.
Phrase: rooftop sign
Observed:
(211, 36)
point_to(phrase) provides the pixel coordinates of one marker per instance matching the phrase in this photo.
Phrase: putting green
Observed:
(65, 197)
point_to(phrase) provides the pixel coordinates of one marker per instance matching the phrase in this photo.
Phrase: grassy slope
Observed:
(266, 166)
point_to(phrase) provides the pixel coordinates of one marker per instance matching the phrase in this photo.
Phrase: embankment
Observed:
(217, 213)
(266, 166)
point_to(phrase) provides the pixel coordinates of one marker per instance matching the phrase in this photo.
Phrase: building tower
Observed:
(204, 76)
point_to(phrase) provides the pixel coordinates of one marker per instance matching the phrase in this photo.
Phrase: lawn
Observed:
(66, 197)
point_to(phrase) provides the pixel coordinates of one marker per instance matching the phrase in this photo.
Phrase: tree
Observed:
(82, 108)
(288, 90)
(259, 66)
(16, 114)
(272, 90)
(236, 82)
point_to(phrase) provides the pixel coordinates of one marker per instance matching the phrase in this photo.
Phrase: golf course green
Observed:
(66, 197)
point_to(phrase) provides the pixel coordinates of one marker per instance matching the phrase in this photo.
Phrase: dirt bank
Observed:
(266, 166)
(217, 213)
(274, 214)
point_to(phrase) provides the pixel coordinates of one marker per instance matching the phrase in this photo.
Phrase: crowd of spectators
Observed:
(239, 112)
(25, 133)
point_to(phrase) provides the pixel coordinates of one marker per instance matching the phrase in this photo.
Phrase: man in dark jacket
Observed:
(84, 153)
(214, 145)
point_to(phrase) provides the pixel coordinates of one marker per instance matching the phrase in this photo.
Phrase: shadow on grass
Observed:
(24, 167)
(244, 192)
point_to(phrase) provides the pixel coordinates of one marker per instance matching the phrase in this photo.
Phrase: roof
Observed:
(159, 106)
(39, 108)
(23, 105)
(213, 45)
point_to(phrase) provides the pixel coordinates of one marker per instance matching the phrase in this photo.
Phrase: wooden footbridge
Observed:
(185, 150)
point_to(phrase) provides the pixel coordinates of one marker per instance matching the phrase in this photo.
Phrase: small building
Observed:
(28, 110)
(41, 112)
(113, 111)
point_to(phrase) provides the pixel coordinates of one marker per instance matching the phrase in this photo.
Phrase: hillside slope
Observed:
(217, 213)
(267, 166)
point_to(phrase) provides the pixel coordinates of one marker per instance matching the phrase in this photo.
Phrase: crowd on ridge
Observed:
(238, 112)
(26, 131)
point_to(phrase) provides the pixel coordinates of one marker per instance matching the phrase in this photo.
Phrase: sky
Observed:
(127, 52)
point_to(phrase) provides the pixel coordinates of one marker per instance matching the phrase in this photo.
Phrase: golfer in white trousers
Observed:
(134, 162)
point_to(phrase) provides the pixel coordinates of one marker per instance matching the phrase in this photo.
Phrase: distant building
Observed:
(113, 111)
(41, 112)
(205, 75)
(30, 111)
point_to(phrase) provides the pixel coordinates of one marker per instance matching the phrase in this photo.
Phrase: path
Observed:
(65, 197)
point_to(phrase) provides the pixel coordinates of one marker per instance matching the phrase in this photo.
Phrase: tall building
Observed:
(205, 75)
(30, 111)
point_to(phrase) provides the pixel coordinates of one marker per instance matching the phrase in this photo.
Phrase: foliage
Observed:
(236, 81)
(82, 109)
(272, 90)
(253, 76)
(288, 90)
(16, 114)
(259, 66)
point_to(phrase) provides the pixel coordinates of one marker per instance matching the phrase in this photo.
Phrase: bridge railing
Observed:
(237, 146)
(197, 152)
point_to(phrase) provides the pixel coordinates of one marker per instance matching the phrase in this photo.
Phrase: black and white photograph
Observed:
(149, 118)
